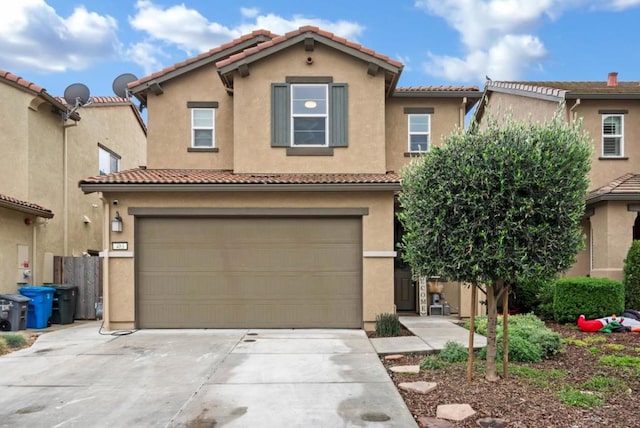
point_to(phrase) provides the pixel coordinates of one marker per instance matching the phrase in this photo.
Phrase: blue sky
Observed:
(441, 42)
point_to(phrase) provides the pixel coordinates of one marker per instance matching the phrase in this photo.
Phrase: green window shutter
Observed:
(338, 115)
(280, 115)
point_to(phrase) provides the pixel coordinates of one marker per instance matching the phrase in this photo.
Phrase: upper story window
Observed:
(419, 132)
(309, 115)
(108, 161)
(612, 135)
(418, 129)
(203, 126)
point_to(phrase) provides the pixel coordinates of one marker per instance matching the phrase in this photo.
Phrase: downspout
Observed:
(576, 104)
(65, 188)
(34, 228)
(463, 110)
(106, 223)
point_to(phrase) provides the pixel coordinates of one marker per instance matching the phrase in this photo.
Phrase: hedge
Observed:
(591, 297)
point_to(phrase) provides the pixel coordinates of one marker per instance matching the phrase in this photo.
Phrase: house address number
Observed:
(119, 245)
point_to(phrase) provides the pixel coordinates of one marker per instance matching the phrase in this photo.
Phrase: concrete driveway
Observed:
(75, 377)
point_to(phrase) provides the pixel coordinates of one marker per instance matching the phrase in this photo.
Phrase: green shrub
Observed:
(632, 277)
(3, 345)
(591, 297)
(15, 340)
(535, 295)
(453, 352)
(431, 362)
(387, 325)
(527, 334)
(575, 397)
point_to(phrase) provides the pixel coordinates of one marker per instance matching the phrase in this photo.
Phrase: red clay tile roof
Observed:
(436, 88)
(10, 77)
(17, 204)
(210, 176)
(306, 29)
(202, 56)
(624, 187)
(561, 89)
(27, 86)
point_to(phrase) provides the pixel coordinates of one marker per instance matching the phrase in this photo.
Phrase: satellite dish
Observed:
(76, 94)
(120, 84)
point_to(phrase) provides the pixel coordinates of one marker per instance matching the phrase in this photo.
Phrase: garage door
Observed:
(249, 272)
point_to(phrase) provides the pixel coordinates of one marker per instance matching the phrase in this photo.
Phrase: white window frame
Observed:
(620, 136)
(111, 156)
(427, 133)
(325, 115)
(211, 128)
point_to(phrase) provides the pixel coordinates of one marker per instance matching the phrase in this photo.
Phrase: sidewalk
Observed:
(430, 334)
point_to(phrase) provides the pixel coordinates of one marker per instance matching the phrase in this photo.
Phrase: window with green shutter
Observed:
(306, 112)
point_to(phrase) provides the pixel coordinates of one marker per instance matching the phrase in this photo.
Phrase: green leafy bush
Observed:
(453, 352)
(632, 277)
(591, 297)
(15, 340)
(388, 325)
(535, 295)
(431, 362)
(529, 338)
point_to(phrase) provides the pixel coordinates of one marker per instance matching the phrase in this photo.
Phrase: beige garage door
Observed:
(249, 272)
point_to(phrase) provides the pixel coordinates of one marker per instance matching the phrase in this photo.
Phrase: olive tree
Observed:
(497, 205)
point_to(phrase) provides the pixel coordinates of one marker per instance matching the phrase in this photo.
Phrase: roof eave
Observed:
(24, 209)
(613, 197)
(438, 94)
(601, 96)
(237, 187)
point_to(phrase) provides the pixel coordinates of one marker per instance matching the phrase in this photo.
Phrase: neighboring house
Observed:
(610, 111)
(268, 199)
(43, 213)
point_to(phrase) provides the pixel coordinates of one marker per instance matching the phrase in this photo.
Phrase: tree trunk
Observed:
(472, 328)
(505, 333)
(493, 291)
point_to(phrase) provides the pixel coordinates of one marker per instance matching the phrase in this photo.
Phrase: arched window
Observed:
(636, 228)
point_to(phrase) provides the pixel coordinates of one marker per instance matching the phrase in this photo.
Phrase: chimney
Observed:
(612, 80)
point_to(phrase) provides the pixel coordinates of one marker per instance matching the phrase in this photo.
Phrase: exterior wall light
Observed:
(116, 223)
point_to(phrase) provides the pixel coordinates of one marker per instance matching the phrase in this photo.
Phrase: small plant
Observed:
(388, 325)
(614, 346)
(574, 341)
(621, 361)
(3, 345)
(454, 352)
(15, 340)
(431, 362)
(603, 383)
(539, 377)
(575, 397)
(594, 350)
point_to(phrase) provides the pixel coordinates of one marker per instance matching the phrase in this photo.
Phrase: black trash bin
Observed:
(64, 303)
(15, 307)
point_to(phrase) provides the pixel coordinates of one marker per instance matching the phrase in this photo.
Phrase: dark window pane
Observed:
(309, 131)
(202, 138)
(419, 143)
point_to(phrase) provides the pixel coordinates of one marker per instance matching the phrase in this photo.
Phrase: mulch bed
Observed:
(523, 402)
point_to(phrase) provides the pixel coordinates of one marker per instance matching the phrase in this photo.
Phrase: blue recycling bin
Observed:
(40, 305)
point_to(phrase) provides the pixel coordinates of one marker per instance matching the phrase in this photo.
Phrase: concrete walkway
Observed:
(430, 335)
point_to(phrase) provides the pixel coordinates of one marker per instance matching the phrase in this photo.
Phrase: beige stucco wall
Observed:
(520, 108)
(582, 266)
(169, 122)
(14, 117)
(14, 232)
(252, 124)
(377, 236)
(604, 170)
(612, 226)
(446, 117)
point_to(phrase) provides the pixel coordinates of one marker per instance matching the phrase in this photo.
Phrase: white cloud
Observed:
(249, 12)
(191, 32)
(146, 55)
(34, 36)
(498, 35)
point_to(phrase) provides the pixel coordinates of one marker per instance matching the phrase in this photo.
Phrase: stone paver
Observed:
(454, 412)
(418, 387)
(405, 369)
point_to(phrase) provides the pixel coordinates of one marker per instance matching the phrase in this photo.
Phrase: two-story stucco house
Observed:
(610, 111)
(46, 149)
(268, 199)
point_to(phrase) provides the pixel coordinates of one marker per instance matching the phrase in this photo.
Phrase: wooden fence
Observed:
(86, 274)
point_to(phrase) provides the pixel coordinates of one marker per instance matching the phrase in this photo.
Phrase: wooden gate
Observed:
(86, 274)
